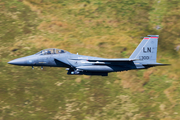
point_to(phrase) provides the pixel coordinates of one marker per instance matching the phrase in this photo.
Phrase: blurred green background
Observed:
(102, 28)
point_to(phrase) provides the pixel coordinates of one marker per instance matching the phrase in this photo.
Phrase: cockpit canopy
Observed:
(51, 51)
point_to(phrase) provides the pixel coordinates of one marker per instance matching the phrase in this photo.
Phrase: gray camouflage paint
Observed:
(143, 57)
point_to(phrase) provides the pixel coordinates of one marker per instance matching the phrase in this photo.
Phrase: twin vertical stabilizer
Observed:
(146, 51)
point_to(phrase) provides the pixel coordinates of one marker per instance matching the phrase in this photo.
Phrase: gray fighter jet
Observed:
(143, 57)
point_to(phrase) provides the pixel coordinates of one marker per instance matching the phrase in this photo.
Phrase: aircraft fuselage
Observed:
(143, 57)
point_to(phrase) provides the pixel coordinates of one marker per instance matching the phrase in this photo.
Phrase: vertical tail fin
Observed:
(146, 50)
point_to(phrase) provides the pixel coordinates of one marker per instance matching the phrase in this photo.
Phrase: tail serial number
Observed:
(143, 57)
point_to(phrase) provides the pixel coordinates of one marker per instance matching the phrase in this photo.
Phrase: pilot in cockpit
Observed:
(42, 52)
(45, 52)
(48, 52)
(61, 51)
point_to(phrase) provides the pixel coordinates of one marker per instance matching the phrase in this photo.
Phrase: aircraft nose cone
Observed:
(19, 61)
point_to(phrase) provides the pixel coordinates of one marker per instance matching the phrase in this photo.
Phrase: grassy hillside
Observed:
(110, 29)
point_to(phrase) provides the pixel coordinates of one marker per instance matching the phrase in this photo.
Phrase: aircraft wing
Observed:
(111, 60)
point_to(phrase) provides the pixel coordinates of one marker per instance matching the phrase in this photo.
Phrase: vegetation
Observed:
(103, 28)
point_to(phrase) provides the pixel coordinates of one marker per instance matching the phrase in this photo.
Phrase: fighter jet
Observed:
(143, 57)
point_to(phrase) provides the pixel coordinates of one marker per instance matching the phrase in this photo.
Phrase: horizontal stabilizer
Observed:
(156, 64)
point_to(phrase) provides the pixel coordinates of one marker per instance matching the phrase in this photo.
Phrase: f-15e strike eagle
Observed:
(143, 57)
